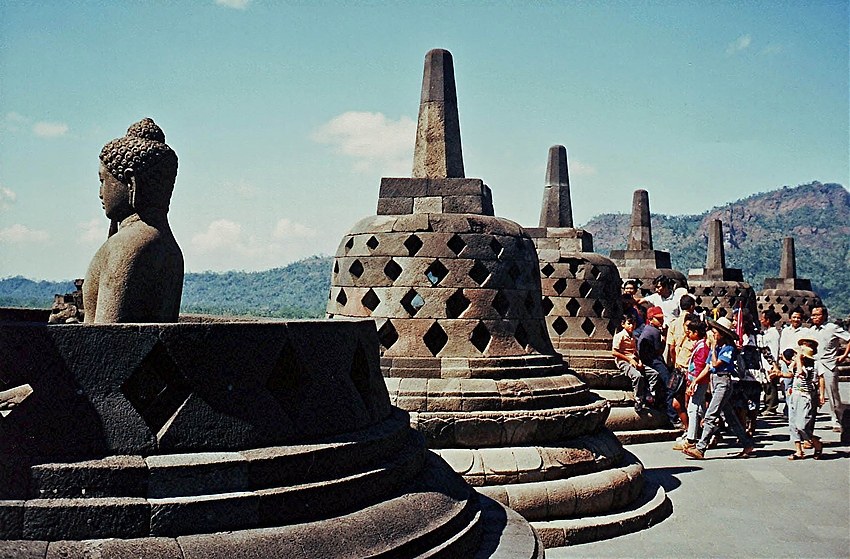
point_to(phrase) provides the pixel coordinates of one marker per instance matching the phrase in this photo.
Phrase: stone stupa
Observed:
(581, 299)
(717, 286)
(640, 260)
(216, 438)
(456, 296)
(787, 292)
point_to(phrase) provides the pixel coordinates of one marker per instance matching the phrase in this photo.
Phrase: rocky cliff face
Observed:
(816, 215)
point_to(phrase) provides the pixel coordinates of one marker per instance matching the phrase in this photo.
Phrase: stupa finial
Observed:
(716, 256)
(640, 234)
(788, 259)
(437, 153)
(557, 208)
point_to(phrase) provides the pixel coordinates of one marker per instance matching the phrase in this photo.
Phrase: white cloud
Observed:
(739, 44)
(19, 234)
(220, 234)
(581, 169)
(93, 230)
(229, 245)
(771, 49)
(7, 197)
(286, 228)
(371, 140)
(235, 4)
(50, 129)
(16, 118)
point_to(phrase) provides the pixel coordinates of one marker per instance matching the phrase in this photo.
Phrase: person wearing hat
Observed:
(807, 387)
(721, 366)
(651, 351)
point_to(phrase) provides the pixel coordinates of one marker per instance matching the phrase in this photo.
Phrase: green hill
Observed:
(817, 215)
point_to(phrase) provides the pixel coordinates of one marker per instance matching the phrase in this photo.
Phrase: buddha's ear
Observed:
(130, 177)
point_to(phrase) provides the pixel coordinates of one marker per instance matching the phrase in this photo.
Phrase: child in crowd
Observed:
(696, 390)
(722, 358)
(624, 349)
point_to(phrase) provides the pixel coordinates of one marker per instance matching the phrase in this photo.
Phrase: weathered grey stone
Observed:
(137, 275)
(11, 520)
(82, 519)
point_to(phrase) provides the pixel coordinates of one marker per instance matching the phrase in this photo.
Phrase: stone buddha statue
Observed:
(137, 275)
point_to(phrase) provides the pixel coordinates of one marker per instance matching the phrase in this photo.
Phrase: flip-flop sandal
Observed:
(796, 456)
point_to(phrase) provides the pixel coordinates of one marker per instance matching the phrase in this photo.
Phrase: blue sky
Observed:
(286, 115)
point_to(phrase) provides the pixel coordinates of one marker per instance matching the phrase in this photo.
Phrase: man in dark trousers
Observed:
(651, 351)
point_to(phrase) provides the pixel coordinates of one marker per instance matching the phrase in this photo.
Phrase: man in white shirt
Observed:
(831, 337)
(665, 297)
(788, 338)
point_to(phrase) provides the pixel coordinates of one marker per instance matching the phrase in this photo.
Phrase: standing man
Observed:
(768, 341)
(830, 338)
(665, 297)
(788, 339)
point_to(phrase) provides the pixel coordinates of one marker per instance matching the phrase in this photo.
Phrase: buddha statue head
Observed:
(137, 172)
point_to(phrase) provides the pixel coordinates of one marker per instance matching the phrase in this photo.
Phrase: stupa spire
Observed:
(788, 259)
(557, 208)
(640, 234)
(716, 256)
(437, 153)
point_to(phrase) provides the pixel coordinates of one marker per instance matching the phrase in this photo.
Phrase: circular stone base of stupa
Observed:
(784, 301)
(222, 439)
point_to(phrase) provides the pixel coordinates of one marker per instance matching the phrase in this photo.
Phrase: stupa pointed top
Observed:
(716, 256)
(788, 260)
(640, 233)
(557, 208)
(437, 153)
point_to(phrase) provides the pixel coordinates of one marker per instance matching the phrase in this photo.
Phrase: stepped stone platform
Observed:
(456, 295)
(223, 439)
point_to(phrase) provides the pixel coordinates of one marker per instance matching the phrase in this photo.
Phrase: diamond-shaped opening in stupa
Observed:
(456, 244)
(548, 305)
(412, 302)
(584, 289)
(587, 326)
(501, 304)
(573, 306)
(436, 272)
(479, 273)
(387, 334)
(413, 244)
(599, 308)
(356, 269)
(559, 325)
(496, 247)
(435, 339)
(370, 300)
(547, 270)
(373, 242)
(341, 297)
(480, 337)
(559, 286)
(349, 244)
(521, 336)
(392, 270)
(456, 304)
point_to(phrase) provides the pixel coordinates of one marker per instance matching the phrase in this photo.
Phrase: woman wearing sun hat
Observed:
(722, 365)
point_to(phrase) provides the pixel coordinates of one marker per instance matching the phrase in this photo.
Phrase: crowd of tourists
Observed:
(711, 371)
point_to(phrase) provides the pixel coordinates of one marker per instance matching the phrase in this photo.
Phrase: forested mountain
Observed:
(816, 215)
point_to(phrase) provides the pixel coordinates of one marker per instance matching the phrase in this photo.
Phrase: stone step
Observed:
(648, 435)
(650, 508)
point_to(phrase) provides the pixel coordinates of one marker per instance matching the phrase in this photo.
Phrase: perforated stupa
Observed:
(640, 260)
(787, 292)
(456, 296)
(717, 286)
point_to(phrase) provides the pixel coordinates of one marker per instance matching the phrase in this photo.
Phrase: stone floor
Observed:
(765, 506)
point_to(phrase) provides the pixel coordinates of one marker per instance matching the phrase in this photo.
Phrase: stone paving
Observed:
(765, 506)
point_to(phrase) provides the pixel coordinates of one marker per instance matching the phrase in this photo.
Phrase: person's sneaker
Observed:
(639, 408)
(679, 425)
(683, 444)
(694, 452)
